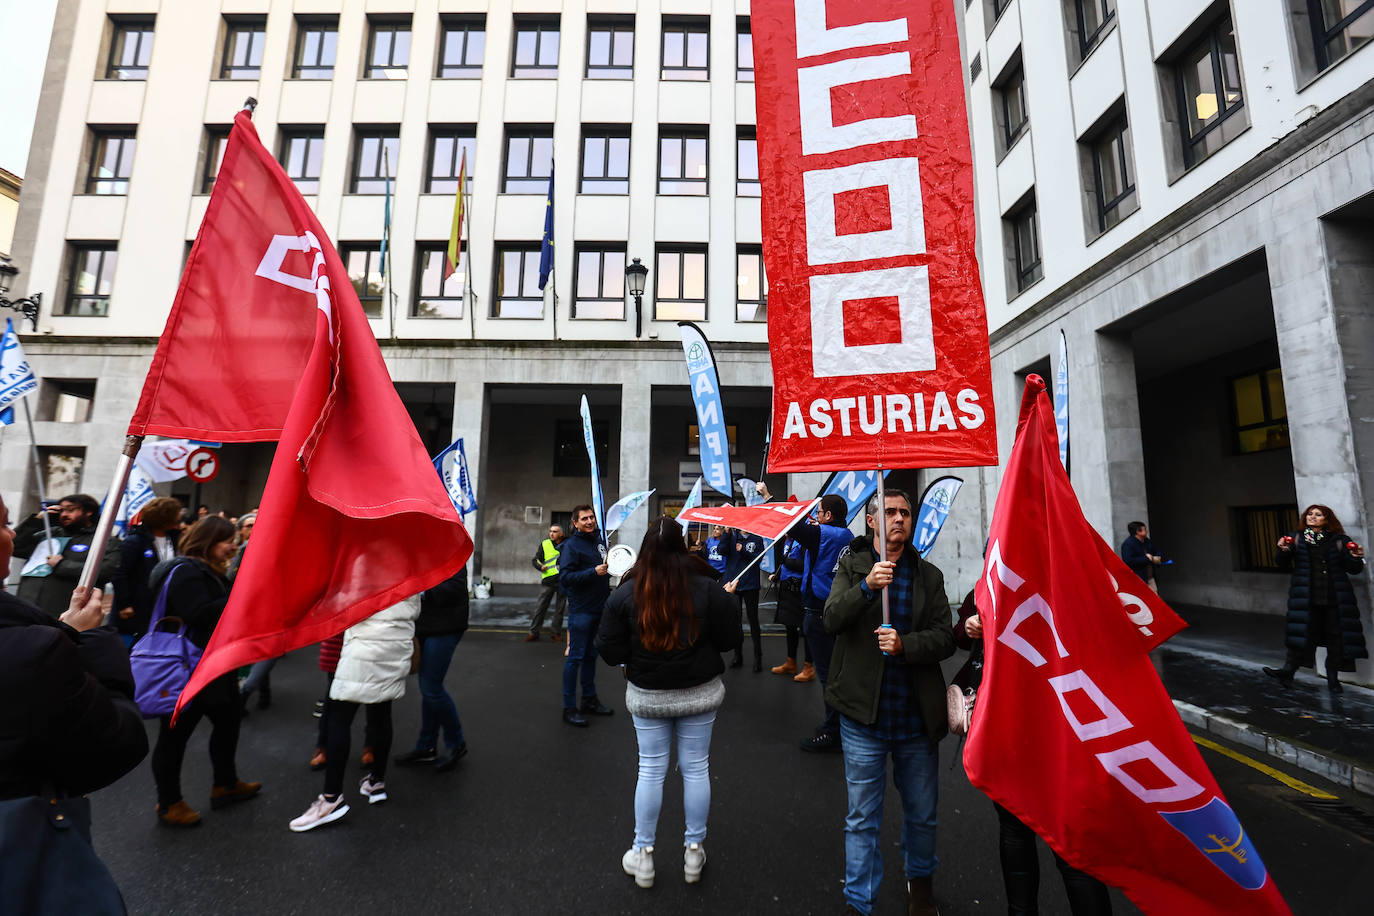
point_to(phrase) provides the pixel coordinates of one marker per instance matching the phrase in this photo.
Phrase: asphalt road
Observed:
(535, 819)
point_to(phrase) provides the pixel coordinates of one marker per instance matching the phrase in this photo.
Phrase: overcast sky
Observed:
(26, 26)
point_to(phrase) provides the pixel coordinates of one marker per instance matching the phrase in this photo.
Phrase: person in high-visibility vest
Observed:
(545, 560)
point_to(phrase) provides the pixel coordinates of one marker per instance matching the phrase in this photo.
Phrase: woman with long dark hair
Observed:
(668, 623)
(1321, 601)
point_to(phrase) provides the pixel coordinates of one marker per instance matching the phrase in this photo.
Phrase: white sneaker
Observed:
(321, 811)
(693, 861)
(639, 864)
(373, 789)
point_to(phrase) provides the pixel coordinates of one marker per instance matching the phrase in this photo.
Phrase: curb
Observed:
(1341, 772)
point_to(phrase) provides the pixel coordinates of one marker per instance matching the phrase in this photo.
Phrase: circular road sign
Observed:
(202, 465)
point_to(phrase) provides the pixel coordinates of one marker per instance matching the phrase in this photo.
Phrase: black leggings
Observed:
(1021, 874)
(749, 605)
(340, 714)
(794, 634)
(219, 702)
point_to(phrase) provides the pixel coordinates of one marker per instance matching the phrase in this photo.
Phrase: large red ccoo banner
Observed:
(876, 325)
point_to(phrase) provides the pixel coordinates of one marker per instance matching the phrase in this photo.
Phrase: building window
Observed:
(1257, 530)
(611, 49)
(1025, 245)
(302, 150)
(570, 448)
(682, 161)
(680, 285)
(999, 7)
(1339, 27)
(388, 49)
(451, 149)
(517, 283)
(1113, 174)
(436, 297)
(1209, 93)
(462, 46)
(317, 43)
(90, 280)
(1259, 413)
(131, 48)
(66, 400)
(747, 163)
(243, 41)
(686, 49)
(1015, 117)
(363, 261)
(600, 282)
(112, 159)
(211, 155)
(752, 302)
(529, 159)
(536, 48)
(374, 159)
(1095, 18)
(744, 51)
(605, 160)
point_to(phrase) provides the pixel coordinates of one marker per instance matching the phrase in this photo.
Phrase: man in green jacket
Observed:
(887, 686)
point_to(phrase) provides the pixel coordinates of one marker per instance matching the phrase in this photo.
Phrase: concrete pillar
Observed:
(1122, 455)
(636, 430)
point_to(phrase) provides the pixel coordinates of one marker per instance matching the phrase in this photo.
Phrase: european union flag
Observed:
(546, 248)
(1216, 831)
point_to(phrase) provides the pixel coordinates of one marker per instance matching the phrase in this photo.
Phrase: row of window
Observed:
(684, 48)
(604, 169)
(679, 281)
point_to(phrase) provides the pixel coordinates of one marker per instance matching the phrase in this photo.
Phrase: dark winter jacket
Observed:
(742, 549)
(444, 608)
(717, 630)
(856, 668)
(970, 674)
(197, 595)
(578, 559)
(53, 592)
(1136, 554)
(137, 560)
(1304, 631)
(66, 705)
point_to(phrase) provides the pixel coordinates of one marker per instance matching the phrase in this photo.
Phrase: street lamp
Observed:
(29, 306)
(635, 276)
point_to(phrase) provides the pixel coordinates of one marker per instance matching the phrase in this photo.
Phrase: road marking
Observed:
(1264, 768)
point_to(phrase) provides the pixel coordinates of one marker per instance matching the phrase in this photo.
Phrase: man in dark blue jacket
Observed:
(587, 583)
(742, 550)
(1138, 551)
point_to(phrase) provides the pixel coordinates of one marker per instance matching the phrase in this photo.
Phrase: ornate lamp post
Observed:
(28, 306)
(635, 275)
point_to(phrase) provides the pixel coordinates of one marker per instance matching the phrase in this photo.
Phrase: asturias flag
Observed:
(1073, 732)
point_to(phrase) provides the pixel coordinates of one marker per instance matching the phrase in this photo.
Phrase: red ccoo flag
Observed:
(1073, 731)
(767, 520)
(267, 339)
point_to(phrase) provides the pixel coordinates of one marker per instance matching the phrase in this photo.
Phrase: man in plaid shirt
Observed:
(887, 686)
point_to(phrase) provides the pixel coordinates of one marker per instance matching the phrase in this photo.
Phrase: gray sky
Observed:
(26, 25)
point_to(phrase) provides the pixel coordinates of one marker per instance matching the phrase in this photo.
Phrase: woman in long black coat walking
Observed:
(1321, 601)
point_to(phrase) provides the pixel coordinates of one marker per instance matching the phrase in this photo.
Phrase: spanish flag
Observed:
(455, 235)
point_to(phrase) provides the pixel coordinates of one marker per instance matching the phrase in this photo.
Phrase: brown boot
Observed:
(178, 814)
(368, 758)
(531, 637)
(227, 795)
(808, 673)
(921, 897)
(787, 667)
(318, 760)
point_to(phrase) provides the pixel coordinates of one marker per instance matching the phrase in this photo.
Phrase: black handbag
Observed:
(47, 863)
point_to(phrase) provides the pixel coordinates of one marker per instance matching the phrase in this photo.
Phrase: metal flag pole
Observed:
(38, 473)
(388, 292)
(123, 467)
(882, 549)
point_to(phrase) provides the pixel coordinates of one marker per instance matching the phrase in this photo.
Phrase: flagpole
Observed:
(882, 550)
(387, 246)
(467, 281)
(123, 467)
(38, 473)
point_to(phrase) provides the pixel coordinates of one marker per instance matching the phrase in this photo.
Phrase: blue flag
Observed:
(16, 376)
(452, 465)
(598, 500)
(934, 509)
(138, 492)
(546, 246)
(386, 212)
(711, 431)
(1061, 401)
(857, 488)
(693, 500)
(618, 514)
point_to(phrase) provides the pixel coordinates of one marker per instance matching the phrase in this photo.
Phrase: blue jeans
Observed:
(581, 654)
(822, 646)
(693, 759)
(437, 710)
(914, 764)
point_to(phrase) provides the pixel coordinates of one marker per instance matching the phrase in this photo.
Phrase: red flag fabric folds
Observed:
(353, 518)
(1073, 731)
(767, 520)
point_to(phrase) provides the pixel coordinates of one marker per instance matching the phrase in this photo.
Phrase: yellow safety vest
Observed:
(550, 559)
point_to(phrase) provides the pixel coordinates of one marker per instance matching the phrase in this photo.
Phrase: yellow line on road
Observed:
(1264, 768)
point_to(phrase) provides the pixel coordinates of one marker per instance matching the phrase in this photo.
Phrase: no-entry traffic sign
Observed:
(202, 465)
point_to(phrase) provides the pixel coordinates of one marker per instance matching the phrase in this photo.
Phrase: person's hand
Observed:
(974, 627)
(731, 586)
(126, 613)
(1356, 550)
(54, 560)
(85, 611)
(602, 570)
(1285, 543)
(761, 488)
(772, 577)
(880, 576)
(888, 640)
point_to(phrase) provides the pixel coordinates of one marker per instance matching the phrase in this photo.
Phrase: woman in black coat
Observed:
(1321, 601)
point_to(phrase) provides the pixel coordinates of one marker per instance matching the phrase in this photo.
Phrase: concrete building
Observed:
(10, 184)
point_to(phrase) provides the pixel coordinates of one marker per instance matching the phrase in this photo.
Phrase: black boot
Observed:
(758, 663)
(1283, 675)
(738, 661)
(1333, 677)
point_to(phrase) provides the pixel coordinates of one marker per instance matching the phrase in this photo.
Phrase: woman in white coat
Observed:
(372, 672)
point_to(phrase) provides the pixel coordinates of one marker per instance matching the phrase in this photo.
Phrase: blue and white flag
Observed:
(138, 492)
(598, 500)
(934, 509)
(452, 465)
(701, 376)
(546, 244)
(1061, 401)
(693, 500)
(750, 489)
(16, 376)
(618, 514)
(857, 488)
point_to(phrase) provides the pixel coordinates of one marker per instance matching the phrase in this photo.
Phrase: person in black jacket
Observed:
(743, 553)
(586, 581)
(668, 623)
(152, 541)
(74, 518)
(442, 623)
(1321, 602)
(197, 592)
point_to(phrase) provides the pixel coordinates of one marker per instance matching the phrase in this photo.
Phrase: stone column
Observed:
(636, 419)
(1122, 450)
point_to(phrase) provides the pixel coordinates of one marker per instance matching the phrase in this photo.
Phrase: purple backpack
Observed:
(162, 661)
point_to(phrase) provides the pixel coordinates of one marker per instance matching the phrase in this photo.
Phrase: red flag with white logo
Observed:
(876, 325)
(1073, 731)
(767, 520)
(353, 518)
